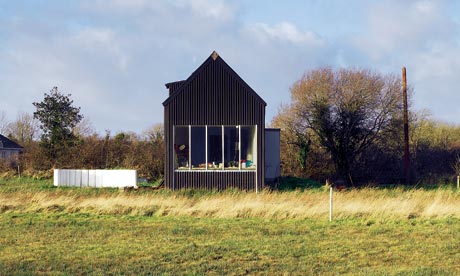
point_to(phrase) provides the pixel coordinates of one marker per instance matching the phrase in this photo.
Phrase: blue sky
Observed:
(114, 56)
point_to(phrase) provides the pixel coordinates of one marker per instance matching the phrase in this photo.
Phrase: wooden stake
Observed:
(330, 204)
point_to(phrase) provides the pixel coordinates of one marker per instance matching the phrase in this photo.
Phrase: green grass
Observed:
(58, 233)
(290, 183)
(81, 244)
(25, 183)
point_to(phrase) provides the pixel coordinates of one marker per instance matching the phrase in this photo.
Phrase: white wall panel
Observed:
(95, 178)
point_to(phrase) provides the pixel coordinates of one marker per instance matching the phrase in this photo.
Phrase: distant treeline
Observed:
(434, 146)
(434, 151)
(127, 150)
(346, 126)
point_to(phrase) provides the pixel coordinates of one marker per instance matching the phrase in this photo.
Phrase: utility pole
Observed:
(406, 129)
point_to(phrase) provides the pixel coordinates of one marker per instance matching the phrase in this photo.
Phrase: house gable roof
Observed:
(6, 143)
(214, 57)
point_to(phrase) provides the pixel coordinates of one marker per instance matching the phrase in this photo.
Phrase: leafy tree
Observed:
(57, 119)
(294, 136)
(348, 110)
(300, 152)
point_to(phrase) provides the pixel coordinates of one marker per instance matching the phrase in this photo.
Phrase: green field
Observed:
(60, 239)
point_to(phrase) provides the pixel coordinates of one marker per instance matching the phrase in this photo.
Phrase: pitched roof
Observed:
(6, 143)
(214, 57)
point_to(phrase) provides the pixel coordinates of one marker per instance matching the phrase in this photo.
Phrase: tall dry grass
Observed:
(367, 203)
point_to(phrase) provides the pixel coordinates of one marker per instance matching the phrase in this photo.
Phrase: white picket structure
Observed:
(95, 178)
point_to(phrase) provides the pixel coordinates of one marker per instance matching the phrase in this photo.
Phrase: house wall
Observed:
(215, 180)
(272, 155)
(215, 96)
(9, 155)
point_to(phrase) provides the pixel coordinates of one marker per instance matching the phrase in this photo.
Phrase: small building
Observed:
(9, 150)
(215, 131)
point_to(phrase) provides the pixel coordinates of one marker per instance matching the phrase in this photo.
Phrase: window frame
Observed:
(223, 169)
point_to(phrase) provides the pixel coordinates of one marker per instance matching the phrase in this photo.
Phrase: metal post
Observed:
(458, 182)
(330, 204)
(406, 128)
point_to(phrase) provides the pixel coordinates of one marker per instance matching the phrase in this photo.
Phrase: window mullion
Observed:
(206, 147)
(223, 148)
(239, 147)
(189, 147)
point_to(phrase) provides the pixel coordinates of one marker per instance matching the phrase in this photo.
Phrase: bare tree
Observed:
(24, 129)
(84, 128)
(347, 109)
(154, 133)
(3, 122)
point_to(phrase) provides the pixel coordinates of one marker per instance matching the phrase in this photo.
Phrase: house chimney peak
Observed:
(214, 55)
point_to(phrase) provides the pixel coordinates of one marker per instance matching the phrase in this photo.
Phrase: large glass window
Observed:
(215, 147)
(181, 147)
(248, 147)
(231, 147)
(198, 135)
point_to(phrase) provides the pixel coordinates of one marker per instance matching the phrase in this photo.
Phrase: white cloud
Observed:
(421, 36)
(283, 32)
(425, 7)
(441, 60)
(217, 9)
(401, 26)
(101, 41)
(121, 6)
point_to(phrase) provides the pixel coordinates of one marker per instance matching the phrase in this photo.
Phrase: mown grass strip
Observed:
(81, 244)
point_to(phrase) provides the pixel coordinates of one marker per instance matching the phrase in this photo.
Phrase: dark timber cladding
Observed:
(172, 86)
(213, 95)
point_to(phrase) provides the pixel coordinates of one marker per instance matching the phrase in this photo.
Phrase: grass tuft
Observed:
(366, 203)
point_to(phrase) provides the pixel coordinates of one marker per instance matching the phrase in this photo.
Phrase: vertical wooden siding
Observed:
(210, 180)
(173, 86)
(214, 96)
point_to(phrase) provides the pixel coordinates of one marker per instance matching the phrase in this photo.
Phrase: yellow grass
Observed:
(367, 203)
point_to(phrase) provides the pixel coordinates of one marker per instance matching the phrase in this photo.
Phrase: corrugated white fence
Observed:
(96, 178)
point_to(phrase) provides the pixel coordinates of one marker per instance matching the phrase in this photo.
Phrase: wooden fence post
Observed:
(330, 204)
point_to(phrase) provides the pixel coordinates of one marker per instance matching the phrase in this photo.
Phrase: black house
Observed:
(214, 131)
(9, 150)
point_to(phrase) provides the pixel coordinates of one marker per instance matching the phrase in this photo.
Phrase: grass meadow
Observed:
(69, 231)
